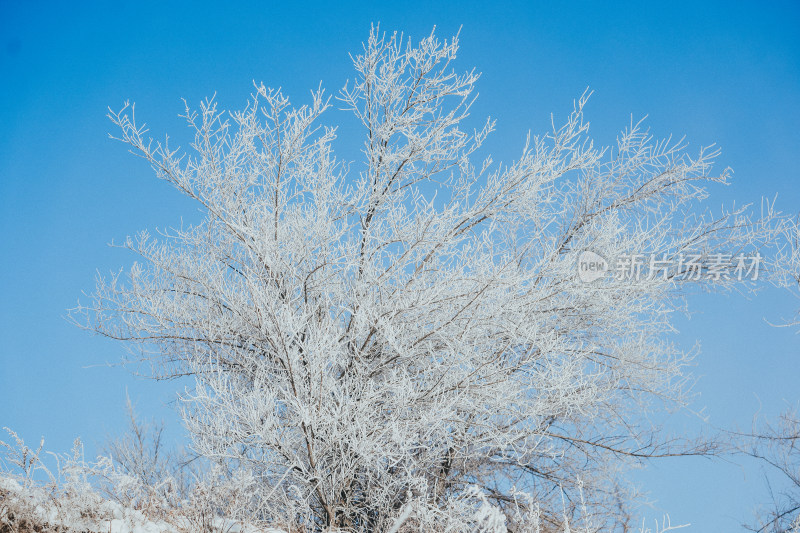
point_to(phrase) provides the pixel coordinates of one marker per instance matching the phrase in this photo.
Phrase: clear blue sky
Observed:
(716, 72)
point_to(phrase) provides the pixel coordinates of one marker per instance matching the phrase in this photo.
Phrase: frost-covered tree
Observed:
(778, 445)
(404, 342)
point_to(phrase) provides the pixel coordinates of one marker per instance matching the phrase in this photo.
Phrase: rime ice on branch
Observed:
(399, 343)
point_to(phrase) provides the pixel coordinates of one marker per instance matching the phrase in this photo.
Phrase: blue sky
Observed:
(716, 72)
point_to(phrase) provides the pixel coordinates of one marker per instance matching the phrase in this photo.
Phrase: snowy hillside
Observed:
(37, 508)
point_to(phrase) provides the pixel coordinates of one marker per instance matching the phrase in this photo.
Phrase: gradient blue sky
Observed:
(716, 72)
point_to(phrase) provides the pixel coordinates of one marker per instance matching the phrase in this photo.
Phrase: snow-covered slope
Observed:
(39, 508)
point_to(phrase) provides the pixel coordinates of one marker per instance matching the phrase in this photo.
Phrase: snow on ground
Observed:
(88, 512)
